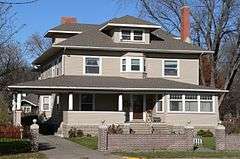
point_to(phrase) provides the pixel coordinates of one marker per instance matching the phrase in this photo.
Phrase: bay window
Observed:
(92, 65)
(132, 64)
(135, 64)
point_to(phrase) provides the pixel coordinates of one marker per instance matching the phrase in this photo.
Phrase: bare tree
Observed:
(36, 45)
(213, 24)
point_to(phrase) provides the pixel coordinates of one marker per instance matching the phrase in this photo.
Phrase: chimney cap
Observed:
(68, 20)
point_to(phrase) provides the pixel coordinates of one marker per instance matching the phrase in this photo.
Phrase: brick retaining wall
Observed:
(232, 142)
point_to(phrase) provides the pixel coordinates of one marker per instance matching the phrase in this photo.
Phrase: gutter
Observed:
(118, 88)
(133, 49)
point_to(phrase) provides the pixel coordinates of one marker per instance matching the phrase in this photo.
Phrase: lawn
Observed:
(87, 141)
(13, 146)
(209, 142)
(24, 156)
(181, 154)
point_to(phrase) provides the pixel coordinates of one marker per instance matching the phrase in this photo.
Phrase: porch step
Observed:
(161, 128)
(140, 128)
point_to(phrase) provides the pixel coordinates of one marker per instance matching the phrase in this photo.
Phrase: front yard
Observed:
(87, 141)
(24, 156)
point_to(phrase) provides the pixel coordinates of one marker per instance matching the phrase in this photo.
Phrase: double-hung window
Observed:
(206, 103)
(170, 68)
(46, 103)
(92, 65)
(124, 64)
(159, 103)
(176, 102)
(135, 64)
(191, 103)
(87, 102)
(132, 35)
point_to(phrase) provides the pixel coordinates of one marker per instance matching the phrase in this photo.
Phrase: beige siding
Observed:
(92, 117)
(73, 65)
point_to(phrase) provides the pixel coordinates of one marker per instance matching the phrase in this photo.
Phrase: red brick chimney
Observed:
(185, 24)
(68, 20)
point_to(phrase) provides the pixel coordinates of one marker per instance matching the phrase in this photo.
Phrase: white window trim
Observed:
(49, 102)
(128, 64)
(132, 35)
(183, 104)
(163, 103)
(100, 66)
(192, 100)
(178, 68)
(207, 100)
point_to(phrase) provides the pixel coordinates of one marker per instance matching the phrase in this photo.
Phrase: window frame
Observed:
(169, 101)
(207, 100)
(129, 64)
(100, 66)
(162, 100)
(132, 35)
(191, 100)
(49, 103)
(198, 101)
(178, 68)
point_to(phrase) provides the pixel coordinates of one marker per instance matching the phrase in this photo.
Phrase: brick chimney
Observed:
(68, 20)
(185, 24)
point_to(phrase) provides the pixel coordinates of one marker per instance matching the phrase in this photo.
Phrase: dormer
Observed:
(129, 29)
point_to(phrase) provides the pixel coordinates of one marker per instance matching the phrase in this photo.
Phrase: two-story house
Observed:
(120, 71)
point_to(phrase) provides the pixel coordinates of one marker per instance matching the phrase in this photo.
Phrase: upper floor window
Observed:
(171, 68)
(132, 64)
(92, 65)
(132, 35)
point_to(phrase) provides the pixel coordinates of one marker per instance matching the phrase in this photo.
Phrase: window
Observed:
(191, 103)
(138, 35)
(124, 65)
(159, 103)
(58, 66)
(132, 35)
(46, 103)
(206, 103)
(126, 35)
(171, 68)
(92, 65)
(132, 64)
(135, 64)
(176, 103)
(86, 102)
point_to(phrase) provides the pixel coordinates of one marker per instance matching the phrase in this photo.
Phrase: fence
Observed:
(116, 142)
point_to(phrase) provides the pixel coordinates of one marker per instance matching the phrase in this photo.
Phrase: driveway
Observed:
(58, 148)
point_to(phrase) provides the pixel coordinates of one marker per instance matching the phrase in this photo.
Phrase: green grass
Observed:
(181, 154)
(24, 156)
(89, 142)
(13, 146)
(209, 142)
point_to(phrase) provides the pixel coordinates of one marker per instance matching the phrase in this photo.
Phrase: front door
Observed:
(137, 106)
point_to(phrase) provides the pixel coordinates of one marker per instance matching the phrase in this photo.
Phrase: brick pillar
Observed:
(102, 137)
(189, 132)
(220, 137)
(18, 116)
(34, 130)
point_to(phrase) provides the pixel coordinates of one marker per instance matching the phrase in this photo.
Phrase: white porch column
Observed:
(120, 102)
(70, 101)
(14, 105)
(144, 107)
(18, 112)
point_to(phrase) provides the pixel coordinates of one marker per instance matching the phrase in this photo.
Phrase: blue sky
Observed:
(45, 14)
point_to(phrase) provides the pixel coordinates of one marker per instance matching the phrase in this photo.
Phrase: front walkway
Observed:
(58, 148)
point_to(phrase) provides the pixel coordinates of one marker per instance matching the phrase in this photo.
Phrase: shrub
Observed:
(73, 132)
(10, 131)
(232, 124)
(4, 115)
(115, 129)
(205, 133)
(11, 147)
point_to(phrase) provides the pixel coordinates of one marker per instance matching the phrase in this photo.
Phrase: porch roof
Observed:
(118, 84)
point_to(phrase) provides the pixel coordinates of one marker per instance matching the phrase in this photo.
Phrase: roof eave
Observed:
(133, 49)
(118, 89)
(130, 25)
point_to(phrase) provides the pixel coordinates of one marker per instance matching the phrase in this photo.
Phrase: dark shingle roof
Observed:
(31, 98)
(75, 27)
(130, 20)
(96, 38)
(109, 83)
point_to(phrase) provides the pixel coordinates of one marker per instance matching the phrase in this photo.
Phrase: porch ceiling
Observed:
(113, 84)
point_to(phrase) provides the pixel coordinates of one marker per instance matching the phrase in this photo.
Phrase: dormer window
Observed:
(132, 35)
